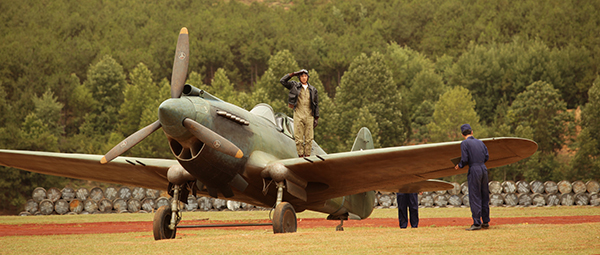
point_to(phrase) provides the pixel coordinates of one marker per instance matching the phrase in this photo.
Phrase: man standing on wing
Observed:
(303, 98)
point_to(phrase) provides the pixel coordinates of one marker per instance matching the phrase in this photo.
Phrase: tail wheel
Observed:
(162, 219)
(284, 219)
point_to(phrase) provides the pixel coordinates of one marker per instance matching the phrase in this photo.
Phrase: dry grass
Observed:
(502, 239)
(261, 215)
(506, 239)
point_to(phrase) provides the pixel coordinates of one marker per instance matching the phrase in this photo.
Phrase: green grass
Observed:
(501, 239)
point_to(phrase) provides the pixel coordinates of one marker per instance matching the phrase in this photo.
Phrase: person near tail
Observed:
(304, 99)
(474, 153)
(408, 201)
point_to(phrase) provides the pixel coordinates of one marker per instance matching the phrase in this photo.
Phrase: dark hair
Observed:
(467, 132)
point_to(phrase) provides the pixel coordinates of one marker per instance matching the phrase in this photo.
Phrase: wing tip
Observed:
(183, 31)
(103, 160)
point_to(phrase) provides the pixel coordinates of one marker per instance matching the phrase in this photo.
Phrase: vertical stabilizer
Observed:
(363, 141)
(358, 205)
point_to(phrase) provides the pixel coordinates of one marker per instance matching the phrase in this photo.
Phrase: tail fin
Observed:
(357, 205)
(363, 141)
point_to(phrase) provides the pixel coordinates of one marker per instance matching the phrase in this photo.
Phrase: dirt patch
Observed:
(145, 226)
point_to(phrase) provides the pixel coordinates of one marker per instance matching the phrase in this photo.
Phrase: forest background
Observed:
(80, 76)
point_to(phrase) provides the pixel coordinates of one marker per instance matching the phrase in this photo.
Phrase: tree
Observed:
(498, 72)
(39, 132)
(422, 116)
(541, 108)
(137, 96)
(364, 118)
(222, 88)
(415, 77)
(268, 89)
(368, 84)
(106, 81)
(7, 125)
(41, 128)
(405, 64)
(455, 107)
(585, 163)
(16, 186)
(155, 145)
(539, 113)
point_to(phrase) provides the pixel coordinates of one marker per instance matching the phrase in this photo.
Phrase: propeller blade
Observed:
(180, 64)
(212, 139)
(129, 142)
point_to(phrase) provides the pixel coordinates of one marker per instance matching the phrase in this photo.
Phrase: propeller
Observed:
(180, 64)
(204, 134)
(129, 142)
(212, 139)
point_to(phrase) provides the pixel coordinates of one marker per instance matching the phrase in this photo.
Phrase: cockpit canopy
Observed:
(283, 123)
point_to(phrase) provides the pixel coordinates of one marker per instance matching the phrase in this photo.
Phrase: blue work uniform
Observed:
(410, 200)
(474, 153)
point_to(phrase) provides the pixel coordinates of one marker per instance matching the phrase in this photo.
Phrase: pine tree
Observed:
(541, 108)
(585, 163)
(540, 113)
(106, 82)
(137, 96)
(455, 107)
(368, 83)
(270, 91)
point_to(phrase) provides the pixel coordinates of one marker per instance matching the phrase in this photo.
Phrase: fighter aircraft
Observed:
(222, 150)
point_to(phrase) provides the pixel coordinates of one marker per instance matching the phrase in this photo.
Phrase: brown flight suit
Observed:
(303, 123)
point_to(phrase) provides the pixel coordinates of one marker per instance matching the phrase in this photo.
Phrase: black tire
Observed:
(162, 219)
(284, 219)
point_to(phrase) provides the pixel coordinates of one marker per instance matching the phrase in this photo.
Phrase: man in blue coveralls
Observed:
(474, 153)
(410, 200)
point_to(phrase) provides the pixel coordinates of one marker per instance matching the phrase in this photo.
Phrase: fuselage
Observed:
(254, 132)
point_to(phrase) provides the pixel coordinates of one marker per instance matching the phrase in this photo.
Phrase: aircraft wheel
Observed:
(284, 219)
(162, 219)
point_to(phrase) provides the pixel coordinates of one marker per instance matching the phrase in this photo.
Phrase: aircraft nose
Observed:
(171, 114)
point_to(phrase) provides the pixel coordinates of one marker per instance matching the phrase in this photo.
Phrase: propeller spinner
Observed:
(204, 134)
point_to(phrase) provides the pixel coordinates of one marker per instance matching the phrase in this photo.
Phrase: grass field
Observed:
(502, 239)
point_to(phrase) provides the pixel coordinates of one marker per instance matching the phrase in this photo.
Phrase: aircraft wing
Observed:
(138, 172)
(396, 168)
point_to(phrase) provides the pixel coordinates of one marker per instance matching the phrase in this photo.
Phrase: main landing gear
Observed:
(167, 217)
(284, 216)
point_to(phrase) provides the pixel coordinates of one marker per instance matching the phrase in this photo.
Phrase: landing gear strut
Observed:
(341, 226)
(341, 218)
(284, 216)
(162, 220)
(167, 217)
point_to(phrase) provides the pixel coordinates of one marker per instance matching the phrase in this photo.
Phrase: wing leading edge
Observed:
(139, 172)
(391, 169)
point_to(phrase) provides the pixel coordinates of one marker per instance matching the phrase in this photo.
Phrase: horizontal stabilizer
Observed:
(427, 185)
